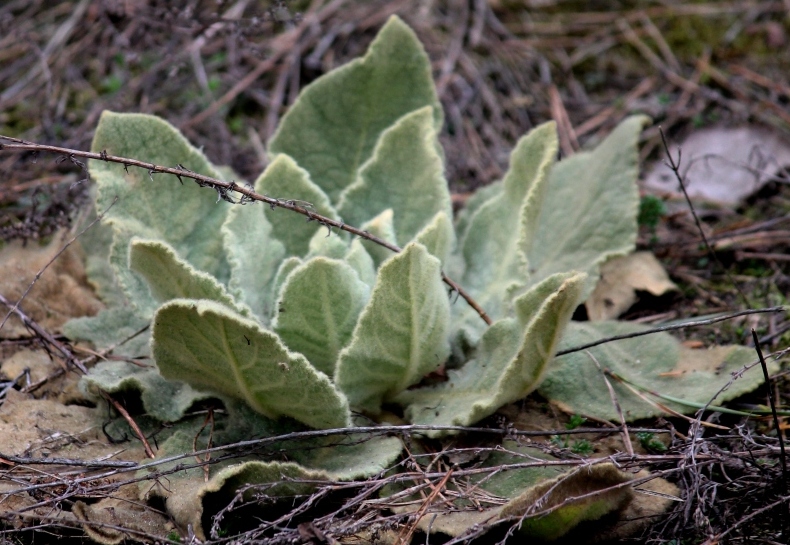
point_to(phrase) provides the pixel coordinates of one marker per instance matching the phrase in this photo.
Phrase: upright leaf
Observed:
(382, 227)
(601, 184)
(284, 179)
(438, 236)
(361, 262)
(490, 246)
(210, 347)
(322, 301)
(405, 174)
(188, 218)
(254, 256)
(511, 360)
(402, 332)
(170, 277)
(334, 124)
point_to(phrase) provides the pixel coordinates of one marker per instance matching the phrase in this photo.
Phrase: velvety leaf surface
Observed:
(333, 126)
(360, 260)
(511, 360)
(401, 334)
(322, 300)
(165, 400)
(253, 255)
(601, 222)
(208, 346)
(188, 217)
(111, 327)
(381, 226)
(438, 236)
(285, 268)
(285, 180)
(170, 277)
(490, 246)
(655, 362)
(323, 244)
(405, 174)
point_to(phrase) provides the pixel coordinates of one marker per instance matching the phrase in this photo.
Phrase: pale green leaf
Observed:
(285, 180)
(656, 362)
(360, 260)
(323, 244)
(405, 174)
(170, 277)
(438, 236)
(511, 360)
(402, 332)
(490, 246)
(382, 227)
(254, 256)
(165, 400)
(285, 268)
(320, 304)
(590, 208)
(119, 327)
(96, 242)
(481, 196)
(333, 126)
(208, 346)
(188, 217)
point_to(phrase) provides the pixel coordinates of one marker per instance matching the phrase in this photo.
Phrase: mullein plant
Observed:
(294, 326)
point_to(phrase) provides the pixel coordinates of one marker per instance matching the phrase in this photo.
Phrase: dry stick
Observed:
(675, 167)
(51, 261)
(674, 327)
(626, 437)
(140, 435)
(38, 330)
(779, 433)
(223, 188)
(405, 536)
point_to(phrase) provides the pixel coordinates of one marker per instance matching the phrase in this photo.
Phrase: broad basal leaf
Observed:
(320, 302)
(590, 209)
(210, 347)
(122, 328)
(652, 363)
(490, 246)
(512, 358)
(165, 400)
(334, 124)
(254, 256)
(285, 268)
(170, 277)
(285, 180)
(401, 334)
(404, 174)
(323, 244)
(187, 217)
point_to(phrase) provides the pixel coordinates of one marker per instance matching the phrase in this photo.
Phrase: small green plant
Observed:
(650, 442)
(174, 537)
(651, 209)
(294, 326)
(575, 421)
(582, 447)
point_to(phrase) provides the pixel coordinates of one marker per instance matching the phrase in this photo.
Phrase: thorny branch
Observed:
(224, 191)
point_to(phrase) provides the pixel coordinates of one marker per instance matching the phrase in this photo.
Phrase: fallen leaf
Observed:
(621, 279)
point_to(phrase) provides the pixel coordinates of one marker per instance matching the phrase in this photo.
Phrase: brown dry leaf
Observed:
(61, 293)
(621, 278)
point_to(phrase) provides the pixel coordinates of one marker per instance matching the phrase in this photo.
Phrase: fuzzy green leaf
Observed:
(188, 217)
(382, 227)
(600, 188)
(654, 362)
(285, 180)
(402, 332)
(208, 346)
(170, 277)
(490, 246)
(360, 260)
(122, 328)
(333, 126)
(438, 236)
(511, 361)
(254, 256)
(321, 301)
(285, 268)
(165, 400)
(404, 174)
(323, 244)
